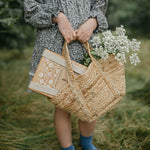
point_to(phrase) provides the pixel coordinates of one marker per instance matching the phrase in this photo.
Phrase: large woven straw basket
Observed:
(90, 93)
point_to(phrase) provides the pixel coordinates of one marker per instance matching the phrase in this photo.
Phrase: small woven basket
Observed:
(92, 92)
(50, 75)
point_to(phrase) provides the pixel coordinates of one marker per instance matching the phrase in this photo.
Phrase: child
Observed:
(74, 21)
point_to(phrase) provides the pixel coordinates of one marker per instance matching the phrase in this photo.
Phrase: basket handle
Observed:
(95, 62)
(74, 84)
(98, 65)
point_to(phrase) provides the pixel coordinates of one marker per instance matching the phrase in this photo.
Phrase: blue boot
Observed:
(86, 143)
(69, 148)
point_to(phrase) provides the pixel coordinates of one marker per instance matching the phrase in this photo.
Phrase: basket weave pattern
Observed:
(101, 90)
(86, 92)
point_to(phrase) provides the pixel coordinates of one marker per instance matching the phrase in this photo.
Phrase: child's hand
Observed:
(85, 31)
(65, 27)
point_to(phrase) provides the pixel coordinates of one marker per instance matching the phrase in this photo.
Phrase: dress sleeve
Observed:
(40, 14)
(98, 10)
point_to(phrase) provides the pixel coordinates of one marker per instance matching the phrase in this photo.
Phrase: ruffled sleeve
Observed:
(98, 10)
(40, 14)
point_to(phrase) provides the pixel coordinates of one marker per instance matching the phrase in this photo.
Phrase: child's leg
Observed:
(86, 135)
(62, 124)
(86, 129)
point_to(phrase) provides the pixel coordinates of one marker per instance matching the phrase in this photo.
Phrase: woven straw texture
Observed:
(90, 94)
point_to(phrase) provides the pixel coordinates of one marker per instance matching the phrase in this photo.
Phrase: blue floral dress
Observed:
(39, 13)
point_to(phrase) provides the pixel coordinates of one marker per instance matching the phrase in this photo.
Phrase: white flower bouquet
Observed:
(116, 43)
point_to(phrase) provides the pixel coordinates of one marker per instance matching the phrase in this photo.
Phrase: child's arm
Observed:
(98, 10)
(65, 27)
(95, 23)
(85, 31)
(40, 14)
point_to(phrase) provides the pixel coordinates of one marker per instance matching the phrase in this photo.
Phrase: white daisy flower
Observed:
(98, 51)
(135, 45)
(120, 57)
(120, 30)
(117, 44)
(107, 33)
(104, 55)
(134, 59)
(96, 41)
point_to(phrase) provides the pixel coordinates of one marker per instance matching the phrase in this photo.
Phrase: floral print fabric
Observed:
(48, 73)
(39, 13)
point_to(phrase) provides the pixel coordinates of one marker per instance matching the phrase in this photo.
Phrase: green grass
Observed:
(26, 120)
